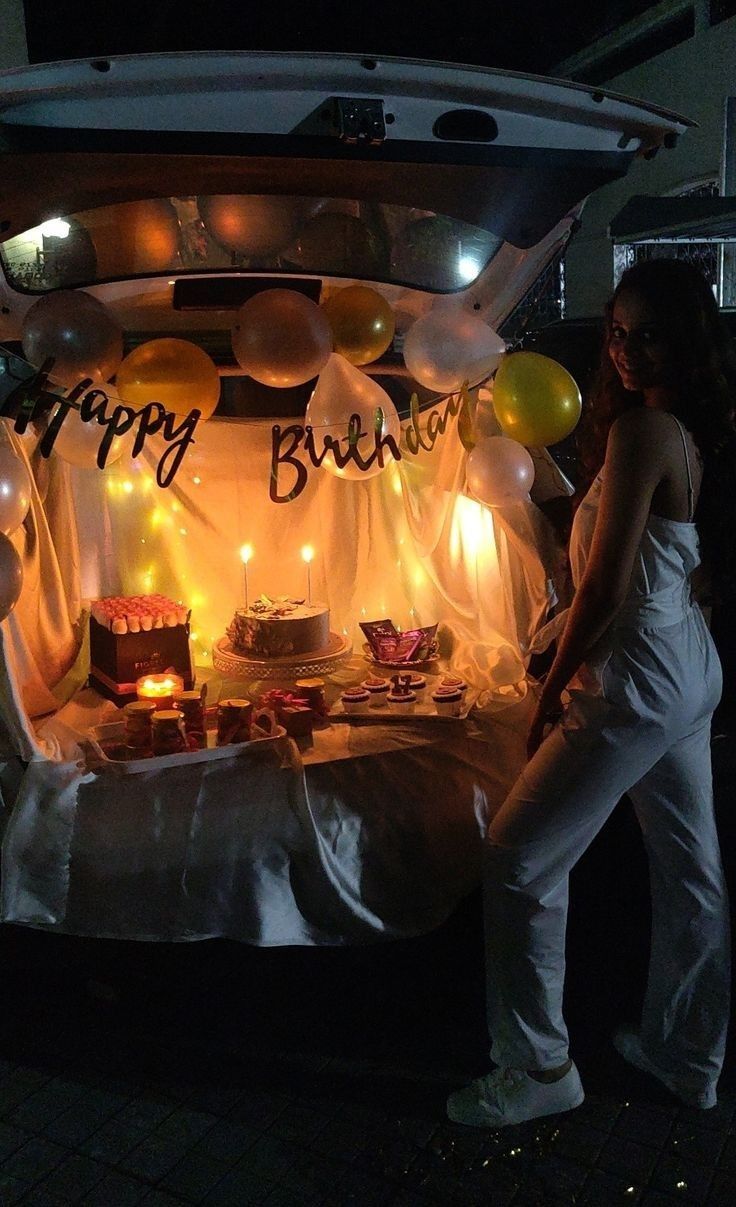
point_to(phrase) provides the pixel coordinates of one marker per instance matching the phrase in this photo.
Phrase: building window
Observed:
(706, 256)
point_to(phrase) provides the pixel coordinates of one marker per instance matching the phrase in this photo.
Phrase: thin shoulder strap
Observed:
(690, 492)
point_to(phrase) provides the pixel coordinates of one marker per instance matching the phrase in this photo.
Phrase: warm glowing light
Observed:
(160, 688)
(183, 531)
(55, 228)
(128, 487)
(196, 481)
(307, 554)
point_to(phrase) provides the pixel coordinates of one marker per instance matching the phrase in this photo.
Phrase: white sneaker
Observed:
(628, 1045)
(511, 1096)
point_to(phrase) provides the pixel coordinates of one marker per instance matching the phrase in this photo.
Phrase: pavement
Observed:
(219, 1074)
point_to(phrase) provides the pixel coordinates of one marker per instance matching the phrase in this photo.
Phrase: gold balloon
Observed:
(134, 237)
(174, 372)
(362, 323)
(535, 399)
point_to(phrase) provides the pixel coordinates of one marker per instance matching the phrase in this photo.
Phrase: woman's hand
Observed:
(548, 712)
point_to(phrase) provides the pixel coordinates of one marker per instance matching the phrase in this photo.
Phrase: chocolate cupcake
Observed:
(401, 701)
(377, 689)
(418, 685)
(355, 699)
(454, 682)
(448, 701)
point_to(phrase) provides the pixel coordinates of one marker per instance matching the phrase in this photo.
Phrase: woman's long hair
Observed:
(705, 394)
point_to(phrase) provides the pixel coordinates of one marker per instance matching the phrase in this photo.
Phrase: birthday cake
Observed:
(279, 627)
(135, 635)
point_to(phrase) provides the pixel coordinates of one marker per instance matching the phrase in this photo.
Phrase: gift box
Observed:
(291, 711)
(118, 660)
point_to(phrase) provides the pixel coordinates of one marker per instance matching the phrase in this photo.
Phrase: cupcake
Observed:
(355, 699)
(418, 685)
(448, 701)
(454, 682)
(377, 689)
(401, 701)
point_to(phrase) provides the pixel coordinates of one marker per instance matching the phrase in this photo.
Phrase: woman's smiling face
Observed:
(639, 344)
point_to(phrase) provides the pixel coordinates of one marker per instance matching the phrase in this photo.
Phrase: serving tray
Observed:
(108, 743)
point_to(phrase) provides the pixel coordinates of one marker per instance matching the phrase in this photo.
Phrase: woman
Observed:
(643, 678)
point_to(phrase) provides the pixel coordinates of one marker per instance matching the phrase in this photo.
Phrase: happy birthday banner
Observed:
(281, 338)
(31, 395)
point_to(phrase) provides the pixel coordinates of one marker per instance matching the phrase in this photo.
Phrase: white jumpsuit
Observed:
(638, 722)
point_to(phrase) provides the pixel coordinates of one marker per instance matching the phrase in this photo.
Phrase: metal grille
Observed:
(705, 256)
(544, 303)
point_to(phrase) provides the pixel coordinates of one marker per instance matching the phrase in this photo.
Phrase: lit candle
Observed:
(246, 553)
(160, 688)
(308, 556)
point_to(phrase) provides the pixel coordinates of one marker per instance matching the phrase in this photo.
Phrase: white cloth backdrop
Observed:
(407, 544)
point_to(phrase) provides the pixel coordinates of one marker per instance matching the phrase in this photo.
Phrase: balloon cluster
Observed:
(536, 403)
(86, 341)
(282, 338)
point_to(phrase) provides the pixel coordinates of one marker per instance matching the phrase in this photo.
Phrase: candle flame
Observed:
(158, 685)
(307, 553)
(246, 553)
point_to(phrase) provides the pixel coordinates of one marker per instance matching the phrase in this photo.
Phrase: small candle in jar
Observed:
(191, 704)
(137, 718)
(233, 721)
(159, 688)
(168, 735)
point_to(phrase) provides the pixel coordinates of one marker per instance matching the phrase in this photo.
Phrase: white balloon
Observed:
(15, 490)
(499, 471)
(447, 347)
(343, 390)
(78, 442)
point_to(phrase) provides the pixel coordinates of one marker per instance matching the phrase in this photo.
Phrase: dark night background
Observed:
(523, 35)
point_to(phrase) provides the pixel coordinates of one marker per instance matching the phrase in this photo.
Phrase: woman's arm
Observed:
(635, 464)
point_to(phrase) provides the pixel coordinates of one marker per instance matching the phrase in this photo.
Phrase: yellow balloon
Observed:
(362, 323)
(174, 372)
(535, 399)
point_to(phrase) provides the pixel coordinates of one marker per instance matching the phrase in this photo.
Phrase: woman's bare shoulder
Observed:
(646, 425)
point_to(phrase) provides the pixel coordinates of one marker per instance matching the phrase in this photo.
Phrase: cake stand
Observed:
(299, 666)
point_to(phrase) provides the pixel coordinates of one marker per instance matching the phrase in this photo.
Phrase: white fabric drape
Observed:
(349, 846)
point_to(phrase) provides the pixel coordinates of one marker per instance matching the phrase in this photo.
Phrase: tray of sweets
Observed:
(409, 663)
(108, 744)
